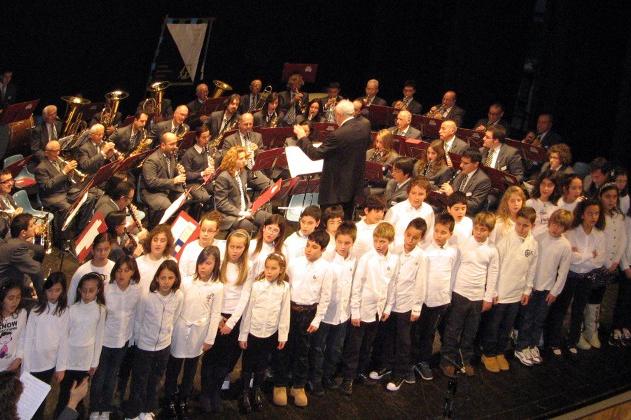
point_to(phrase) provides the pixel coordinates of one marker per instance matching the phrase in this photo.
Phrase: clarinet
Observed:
(180, 170)
(454, 176)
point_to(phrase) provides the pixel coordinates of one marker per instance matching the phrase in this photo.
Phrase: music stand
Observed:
(413, 148)
(322, 130)
(381, 115)
(374, 172)
(133, 161)
(304, 193)
(105, 173)
(500, 180)
(274, 137)
(211, 105)
(266, 196)
(18, 112)
(430, 126)
(269, 159)
(187, 141)
(308, 71)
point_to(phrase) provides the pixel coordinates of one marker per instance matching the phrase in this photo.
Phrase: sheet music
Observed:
(34, 393)
(173, 208)
(300, 164)
(75, 211)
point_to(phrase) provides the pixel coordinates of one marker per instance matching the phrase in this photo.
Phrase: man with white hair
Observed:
(176, 125)
(344, 154)
(94, 152)
(403, 127)
(49, 129)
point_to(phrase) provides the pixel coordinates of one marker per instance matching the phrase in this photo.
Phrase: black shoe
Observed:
(170, 409)
(347, 387)
(183, 409)
(244, 402)
(317, 389)
(259, 398)
(329, 383)
(215, 402)
(205, 404)
(362, 378)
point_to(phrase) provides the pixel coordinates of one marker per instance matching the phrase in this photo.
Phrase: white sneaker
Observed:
(147, 416)
(524, 357)
(132, 418)
(105, 415)
(535, 356)
(95, 415)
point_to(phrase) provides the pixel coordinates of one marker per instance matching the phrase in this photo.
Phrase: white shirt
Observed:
(566, 206)
(501, 229)
(442, 265)
(624, 204)
(199, 318)
(553, 263)
(295, 245)
(615, 238)
(477, 273)
(188, 259)
(364, 241)
(235, 296)
(342, 271)
(518, 264)
(407, 289)
(449, 144)
(155, 318)
(401, 214)
(257, 261)
(268, 311)
(544, 211)
(84, 269)
(369, 292)
(462, 231)
(147, 268)
(583, 260)
(12, 331)
(46, 340)
(86, 324)
(121, 310)
(625, 261)
(310, 284)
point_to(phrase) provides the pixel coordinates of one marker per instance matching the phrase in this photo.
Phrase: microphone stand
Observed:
(449, 407)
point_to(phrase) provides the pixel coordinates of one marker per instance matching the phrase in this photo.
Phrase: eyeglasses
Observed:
(272, 229)
(6, 181)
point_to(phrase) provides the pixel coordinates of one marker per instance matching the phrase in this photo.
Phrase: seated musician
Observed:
(371, 98)
(49, 129)
(498, 155)
(408, 102)
(544, 136)
(312, 114)
(117, 199)
(433, 165)
(198, 162)
(128, 138)
(382, 152)
(175, 125)
(403, 127)
(397, 187)
(19, 256)
(95, 152)
(451, 143)
(293, 95)
(226, 120)
(471, 180)
(447, 109)
(494, 118)
(249, 102)
(307, 127)
(360, 112)
(196, 106)
(8, 206)
(123, 243)
(161, 181)
(559, 160)
(98, 119)
(270, 116)
(327, 104)
(231, 196)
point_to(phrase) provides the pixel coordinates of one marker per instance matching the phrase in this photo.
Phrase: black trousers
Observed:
(147, 370)
(576, 292)
(426, 330)
(104, 380)
(256, 359)
(219, 361)
(397, 343)
(44, 376)
(294, 359)
(462, 322)
(326, 350)
(358, 349)
(64, 391)
(124, 371)
(498, 327)
(622, 312)
(174, 366)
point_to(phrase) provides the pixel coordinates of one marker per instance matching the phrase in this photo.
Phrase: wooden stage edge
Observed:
(616, 407)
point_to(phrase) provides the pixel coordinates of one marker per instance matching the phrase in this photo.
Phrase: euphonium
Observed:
(153, 106)
(112, 100)
(73, 115)
(220, 88)
(44, 236)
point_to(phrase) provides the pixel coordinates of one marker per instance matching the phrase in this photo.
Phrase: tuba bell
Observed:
(220, 88)
(108, 114)
(73, 114)
(153, 106)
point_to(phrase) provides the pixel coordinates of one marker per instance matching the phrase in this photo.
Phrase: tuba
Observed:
(108, 114)
(153, 106)
(74, 116)
(220, 88)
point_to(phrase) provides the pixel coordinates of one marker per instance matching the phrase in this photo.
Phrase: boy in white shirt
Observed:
(296, 242)
(402, 213)
(208, 228)
(328, 341)
(332, 218)
(375, 271)
(405, 298)
(457, 207)
(310, 281)
(374, 210)
(473, 293)
(553, 264)
(442, 260)
(518, 263)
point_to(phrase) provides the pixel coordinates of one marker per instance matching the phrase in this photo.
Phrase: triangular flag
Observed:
(189, 39)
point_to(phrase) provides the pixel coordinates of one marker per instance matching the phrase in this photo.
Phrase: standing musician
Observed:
(447, 109)
(199, 163)
(249, 101)
(161, 181)
(221, 121)
(403, 127)
(408, 102)
(176, 125)
(127, 138)
(371, 98)
(49, 129)
(196, 106)
(328, 103)
(94, 152)
(270, 116)
(231, 193)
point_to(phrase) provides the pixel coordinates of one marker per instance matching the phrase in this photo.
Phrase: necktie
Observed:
(174, 129)
(223, 124)
(447, 157)
(489, 158)
(168, 167)
(464, 183)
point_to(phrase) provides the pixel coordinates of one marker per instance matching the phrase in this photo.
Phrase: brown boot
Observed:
(280, 396)
(300, 397)
(448, 370)
(469, 370)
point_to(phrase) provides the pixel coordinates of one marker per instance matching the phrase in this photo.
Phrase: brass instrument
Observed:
(76, 172)
(44, 237)
(153, 106)
(262, 99)
(108, 114)
(436, 112)
(401, 105)
(329, 109)
(220, 88)
(290, 117)
(73, 115)
(143, 145)
(214, 143)
(181, 132)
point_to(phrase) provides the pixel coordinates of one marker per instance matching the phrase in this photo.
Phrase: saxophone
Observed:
(143, 145)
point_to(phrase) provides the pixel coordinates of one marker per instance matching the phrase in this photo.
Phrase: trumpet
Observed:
(401, 105)
(262, 99)
(75, 171)
(436, 112)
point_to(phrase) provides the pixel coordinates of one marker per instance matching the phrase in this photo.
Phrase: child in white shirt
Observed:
(332, 218)
(99, 263)
(158, 247)
(374, 211)
(512, 201)
(457, 207)
(208, 228)
(541, 200)
(296, 242)
(271, 238)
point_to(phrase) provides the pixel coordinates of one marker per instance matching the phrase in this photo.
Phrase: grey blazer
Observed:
(227, 197)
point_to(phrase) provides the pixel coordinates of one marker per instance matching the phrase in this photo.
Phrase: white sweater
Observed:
(155, 318)
(401, 214)
(518, 264)
(544, 211)
(86, 324)
(553, 263)
(46, 340)
(12, 331)
(121, 312)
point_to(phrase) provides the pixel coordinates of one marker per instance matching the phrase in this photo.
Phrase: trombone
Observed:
(262, 99)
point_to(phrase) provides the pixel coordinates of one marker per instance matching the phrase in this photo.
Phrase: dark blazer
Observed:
(300, 118)
(284, 100)
(123, 140)
(157, 130)
(194, 109)
(394, 194)
(508, 160)
(89, 158)
(376, 101)
(261, 118)
(235, 140)
(227, 197)
(387, 160)
(39, 138)
(244, 104)
(437, 178)
(155, 176)
(194, 163)
(564, 170)
(551, 138)
(17, 259)
(216, 119)
(476, 190)
(412, 132)
(11, 200)
(105, 206)
(344, 154)
(459, 146)
(414, 106)
(361, 118)
(53, 184)
(9, 95)
(485, 123)
(457, 114)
